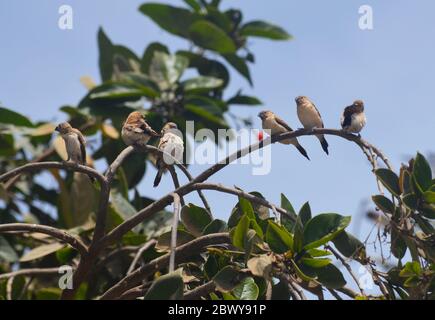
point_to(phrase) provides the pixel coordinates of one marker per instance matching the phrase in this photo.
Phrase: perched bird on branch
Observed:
(310, 118)
(353, 119)
(171, 143)
(136, 131)
(276, 125)
(75, 144)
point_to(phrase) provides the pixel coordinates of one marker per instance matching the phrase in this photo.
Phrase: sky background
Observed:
(330, 60)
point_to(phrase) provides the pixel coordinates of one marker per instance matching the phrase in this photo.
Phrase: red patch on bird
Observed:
(260, 135)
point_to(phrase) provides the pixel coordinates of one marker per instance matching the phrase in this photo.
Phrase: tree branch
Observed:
(55, 233)
(183, 252)
(30, 167)
(30, 272)
(200, 291)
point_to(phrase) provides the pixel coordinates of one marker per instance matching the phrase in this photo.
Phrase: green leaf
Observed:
(241, 230)
(429, 196)
(227, 279)
(167, 287)
(172, 19)
(203, 113)
(389, 179)
(244, 100)
(298, 238)
(207, 67)
(193, 4)
(246, 290)
(278, 238)
(265, 30)
(209, 36)
(195, 219)
(286, 221)
(384, 204)
(411, 269)
(316, 263)
(48, 294)
(246, 207)
(330, 277)
(216, 226)
(105, 48)
(319, 252)
(323, 228)
(411, 201)
(398, 244)
(7, 253)
(164, 241)
(148, 55)
(41, 251)
(8, 116)
(347, 244)
(240, 65)
(422, 172)
(201, 84)
(305, 213)
(166, 69)
(122, 206)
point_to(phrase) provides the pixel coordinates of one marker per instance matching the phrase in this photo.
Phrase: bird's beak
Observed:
(57, 129)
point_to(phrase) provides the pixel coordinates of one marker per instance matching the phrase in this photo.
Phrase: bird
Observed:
(353, 118)
(310, 118)
(136, 131)
(75, 144)
(171, 143)
(276, 125)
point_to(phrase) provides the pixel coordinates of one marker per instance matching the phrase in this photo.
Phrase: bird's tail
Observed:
(324, 143)
(302, 151)
(158, 177)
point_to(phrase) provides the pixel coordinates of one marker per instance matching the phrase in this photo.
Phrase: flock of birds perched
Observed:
(137, 132)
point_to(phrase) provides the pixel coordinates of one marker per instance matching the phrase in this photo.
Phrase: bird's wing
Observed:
(82, 145)
(347, 115)
(317, 110)
(282, 123)
(147, 129)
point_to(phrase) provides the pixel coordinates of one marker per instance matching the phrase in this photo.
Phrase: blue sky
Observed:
(330, 59)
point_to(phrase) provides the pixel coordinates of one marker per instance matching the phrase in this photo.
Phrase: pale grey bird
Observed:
(171, 143)
(276, 125)
(353, 118)
(310, 118)
(75, 143)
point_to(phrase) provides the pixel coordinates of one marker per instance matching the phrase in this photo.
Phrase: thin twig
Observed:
(30, 272)
(174, 231)
(54, 232)
(200, 291)
(139, 253)
(183, 252)
(347, 266)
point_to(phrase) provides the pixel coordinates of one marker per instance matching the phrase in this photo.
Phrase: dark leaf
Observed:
(173, 19)
(209, 36)
(195, 219)
(389, 179)
(265, 30)
(166, 287)
(323, 228)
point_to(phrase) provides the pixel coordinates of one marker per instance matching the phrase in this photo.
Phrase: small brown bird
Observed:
(171, 143)
(136, 131)
(353, 119)
(75, 143)
(310, 118)
(272, 122)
